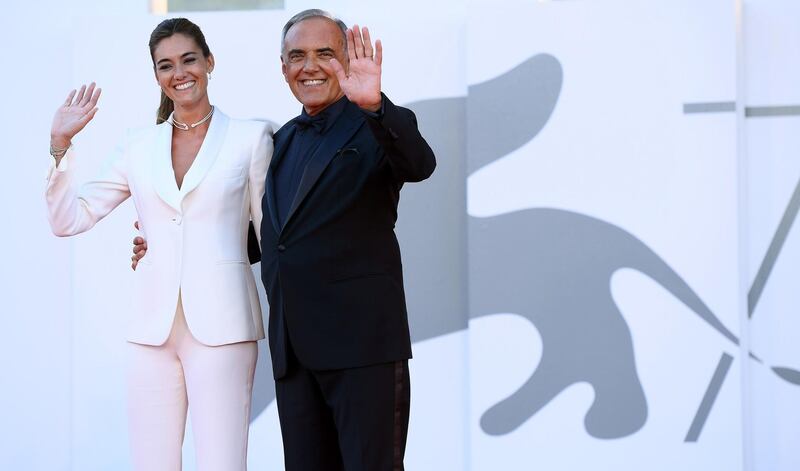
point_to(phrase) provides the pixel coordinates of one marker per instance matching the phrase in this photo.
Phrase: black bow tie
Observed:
(305, 121)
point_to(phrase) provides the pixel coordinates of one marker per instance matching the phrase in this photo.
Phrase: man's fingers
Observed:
(378, 52)
(351, 46)
(338, 70)
(368, 52)
(359, 42)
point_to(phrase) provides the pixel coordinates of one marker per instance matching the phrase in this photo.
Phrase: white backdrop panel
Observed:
(772, 65)
(618, 169)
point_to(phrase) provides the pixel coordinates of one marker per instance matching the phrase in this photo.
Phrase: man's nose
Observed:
(310, 64)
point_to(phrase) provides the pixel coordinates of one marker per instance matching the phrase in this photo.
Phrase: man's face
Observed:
(308, 49)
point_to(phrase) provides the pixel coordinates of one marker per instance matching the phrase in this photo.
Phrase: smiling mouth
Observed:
(312, 83)
(185, 86)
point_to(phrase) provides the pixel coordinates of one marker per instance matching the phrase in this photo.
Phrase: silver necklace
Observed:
(186, 127)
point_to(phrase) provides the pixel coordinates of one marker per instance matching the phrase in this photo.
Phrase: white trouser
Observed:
(216, 381)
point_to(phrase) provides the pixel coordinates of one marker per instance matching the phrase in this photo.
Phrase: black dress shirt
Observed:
(307, 137)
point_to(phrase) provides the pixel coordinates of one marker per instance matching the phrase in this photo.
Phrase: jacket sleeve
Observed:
(259, 163)
(71, 212)
(409, 155)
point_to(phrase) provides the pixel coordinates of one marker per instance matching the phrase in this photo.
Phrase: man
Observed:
(338, 327)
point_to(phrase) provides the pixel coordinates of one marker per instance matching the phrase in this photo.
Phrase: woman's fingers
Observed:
(88, 96)
(79, 97)
(88, 116)
(70, 97)
(95, 97)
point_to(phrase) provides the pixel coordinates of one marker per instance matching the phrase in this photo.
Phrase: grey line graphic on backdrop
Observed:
(709, 398)
(771, 111)
(749, 111)
(710, 107)
(549, 266)
(784, 226)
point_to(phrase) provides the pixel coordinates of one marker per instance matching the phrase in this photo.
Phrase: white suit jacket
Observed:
(196, 235)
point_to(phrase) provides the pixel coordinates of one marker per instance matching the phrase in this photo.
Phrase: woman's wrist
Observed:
(59, 147)
(60, 142)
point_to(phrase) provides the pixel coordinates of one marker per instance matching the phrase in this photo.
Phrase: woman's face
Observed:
(182, 70)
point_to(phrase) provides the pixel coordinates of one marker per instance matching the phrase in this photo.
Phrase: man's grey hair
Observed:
(313, 13)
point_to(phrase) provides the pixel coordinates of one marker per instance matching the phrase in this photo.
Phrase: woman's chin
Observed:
(189, 102)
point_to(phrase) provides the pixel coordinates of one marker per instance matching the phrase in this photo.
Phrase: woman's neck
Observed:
(192, 113)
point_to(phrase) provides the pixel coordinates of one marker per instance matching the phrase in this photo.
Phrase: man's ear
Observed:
(283, 69)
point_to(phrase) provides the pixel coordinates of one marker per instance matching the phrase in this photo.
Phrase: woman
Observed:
(196, 179)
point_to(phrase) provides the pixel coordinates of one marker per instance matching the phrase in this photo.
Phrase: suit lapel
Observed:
(163, 174)
(346, 125)
(207, 154)
(281, 142)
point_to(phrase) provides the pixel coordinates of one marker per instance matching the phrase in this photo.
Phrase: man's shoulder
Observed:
(285, 128)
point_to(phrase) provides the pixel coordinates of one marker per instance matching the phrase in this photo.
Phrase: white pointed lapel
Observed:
(163, 173)
(207, 154)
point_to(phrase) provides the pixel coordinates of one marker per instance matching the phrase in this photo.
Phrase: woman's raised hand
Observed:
(78, 109)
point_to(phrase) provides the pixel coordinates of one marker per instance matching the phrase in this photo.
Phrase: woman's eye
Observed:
(164, 67)
(189, 60)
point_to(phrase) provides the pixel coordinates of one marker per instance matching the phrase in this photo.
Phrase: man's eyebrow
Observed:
(325, 49)
(182, 56)
(294, 51)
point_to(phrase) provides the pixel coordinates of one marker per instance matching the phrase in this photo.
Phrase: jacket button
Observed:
(281, 248)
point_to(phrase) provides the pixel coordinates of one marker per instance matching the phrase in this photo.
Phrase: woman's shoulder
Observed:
(255, 126)
(138, 136)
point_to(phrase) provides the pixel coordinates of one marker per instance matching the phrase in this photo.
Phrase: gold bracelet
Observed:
(58, 153)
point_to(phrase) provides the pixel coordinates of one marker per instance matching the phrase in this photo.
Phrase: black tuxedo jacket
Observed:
(332, 272)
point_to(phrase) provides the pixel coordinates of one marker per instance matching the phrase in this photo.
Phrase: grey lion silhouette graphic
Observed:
(558, 266)
(550, 266)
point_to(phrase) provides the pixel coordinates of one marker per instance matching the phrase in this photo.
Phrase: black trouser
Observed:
(354, 419)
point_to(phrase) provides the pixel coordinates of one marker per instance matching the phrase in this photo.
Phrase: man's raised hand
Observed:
(361, 82)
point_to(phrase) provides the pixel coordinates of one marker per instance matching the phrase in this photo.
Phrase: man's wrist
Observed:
(374, 111)
(372, 108)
